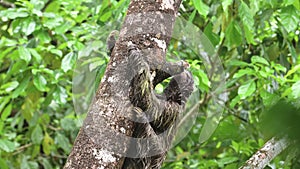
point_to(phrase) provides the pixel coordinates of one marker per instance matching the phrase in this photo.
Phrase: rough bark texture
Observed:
(136, 65)
(265, 155)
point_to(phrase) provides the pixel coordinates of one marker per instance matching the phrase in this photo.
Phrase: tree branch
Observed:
(7, 4)
(266, 154)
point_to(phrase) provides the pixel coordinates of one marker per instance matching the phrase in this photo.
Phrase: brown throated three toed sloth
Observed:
(157, 114)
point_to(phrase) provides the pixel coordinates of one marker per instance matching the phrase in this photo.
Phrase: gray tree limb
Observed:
(266, 154)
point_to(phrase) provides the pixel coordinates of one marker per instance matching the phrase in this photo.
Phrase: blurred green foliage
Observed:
(40, 41)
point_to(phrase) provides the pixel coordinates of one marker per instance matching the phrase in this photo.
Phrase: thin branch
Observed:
(46, 5)
(22, 148)
(266, 154)
(239, 117)
(7, 4)
(59, 156)
(54, 128)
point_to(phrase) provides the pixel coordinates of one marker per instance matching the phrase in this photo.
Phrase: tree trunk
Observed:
(105, 136)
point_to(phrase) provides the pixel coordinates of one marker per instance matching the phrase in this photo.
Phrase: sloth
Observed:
(159, 111)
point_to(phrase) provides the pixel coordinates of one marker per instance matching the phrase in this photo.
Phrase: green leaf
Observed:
(257, 59)
(3, 164)
(247, 89)
(292, 71)
(47, 144)
(44, 37)
(225, 4)
(63, 28)
(10, 86)
(238, 63)
(249, 34)
(3, 102)
(246, 15)
(24, 54)
(19, 67)
(36, 150)
(104, 5)
(279, 67)
(105, 16)
(234, 101)
(243, 72)
(53, 22)
(21, 87)
(36, 55)
(68, 124)
(292, 50)
(32, 43)
(28, 26)
(233, 34)
(27, 109)
(33, 165)
(47, 71)
(7, 145)
(26, 164)
(248, 22)
(60, 95)
(37, 12)
(297, 4)
(296, 90)
(46, 164)
(37, 135)
(214, 38)
(6, 112)
(288, 2)
(13, 13)
(254, 6)
(9, 43)
(235, 146)
(68, 62)
(4, 52)
(227, 160)
(56, 52)
(290, 18)
(40, 82)
(201, 7)
(269, 99)
(63, 142)
(263, 74)
(192, 16)
(203, 77)
(2, 125)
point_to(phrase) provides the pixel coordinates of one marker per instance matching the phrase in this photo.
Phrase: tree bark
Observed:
(105, 136)
(266, 154)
